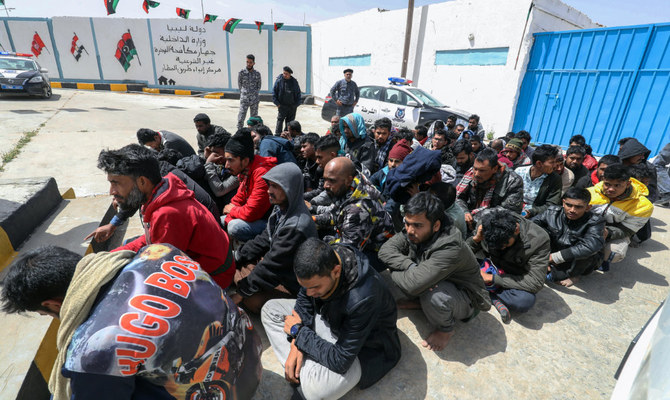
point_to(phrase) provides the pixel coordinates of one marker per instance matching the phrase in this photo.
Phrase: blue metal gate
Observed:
(605, 84)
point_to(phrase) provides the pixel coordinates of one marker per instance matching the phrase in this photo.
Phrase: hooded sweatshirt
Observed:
(361, 151)
(626, 215)
(173, 215)
(277, 244)
(251, 200)
(631, 148)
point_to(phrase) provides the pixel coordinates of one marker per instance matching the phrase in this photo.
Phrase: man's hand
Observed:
(215, 158)
(308, 204)
(291, 320)
(479, 236)
(286, 135)
(605, 233)
(228, 208)
(469, 220)
(293, 364)
(207, 152)
(237, 298)
(102, 233)
(339, 103)
(488, 278)
(412, 189)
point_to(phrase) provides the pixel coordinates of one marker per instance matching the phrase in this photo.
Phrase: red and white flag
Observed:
(38, 45)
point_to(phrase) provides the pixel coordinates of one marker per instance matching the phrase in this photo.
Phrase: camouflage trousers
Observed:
(247, 103)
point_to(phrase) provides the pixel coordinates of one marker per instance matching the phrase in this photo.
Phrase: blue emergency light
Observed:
(10, 53)
(399, 81)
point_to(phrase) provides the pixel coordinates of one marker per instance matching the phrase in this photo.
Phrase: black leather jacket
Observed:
(362, 315)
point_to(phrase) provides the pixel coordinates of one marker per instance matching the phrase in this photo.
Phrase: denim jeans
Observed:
(244, 231)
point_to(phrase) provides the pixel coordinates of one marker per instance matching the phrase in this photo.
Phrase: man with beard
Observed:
(357, 215)
(205, 130)
(384, 141)
(265, 263)
(325, 150)
(597, 175)
(308, 164)
(356, 144)
(432, 265)
(574, 157)
(488, 184)
(465, 158)
(168, 210)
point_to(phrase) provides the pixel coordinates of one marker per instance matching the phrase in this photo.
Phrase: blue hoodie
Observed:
(361, 151)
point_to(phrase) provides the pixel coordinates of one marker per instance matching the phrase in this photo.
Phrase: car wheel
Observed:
(46, 94)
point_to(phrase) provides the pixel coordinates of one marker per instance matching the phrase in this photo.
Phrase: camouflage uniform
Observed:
(358, 218)
(249, 83)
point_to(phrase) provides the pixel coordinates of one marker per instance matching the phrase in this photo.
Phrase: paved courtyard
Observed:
(567, 347)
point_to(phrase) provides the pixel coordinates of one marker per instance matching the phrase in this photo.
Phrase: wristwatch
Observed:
(293, 333)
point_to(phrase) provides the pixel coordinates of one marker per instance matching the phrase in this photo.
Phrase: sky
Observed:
(297, 12)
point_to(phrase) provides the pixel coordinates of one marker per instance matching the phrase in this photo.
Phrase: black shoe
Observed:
(503, 310)
(604, 267)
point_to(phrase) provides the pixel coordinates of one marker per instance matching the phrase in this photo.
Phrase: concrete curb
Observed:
(114, 87)
(26, 203)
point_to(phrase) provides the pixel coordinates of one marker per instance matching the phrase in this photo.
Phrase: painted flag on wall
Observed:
(76, 48)
(210, 18)
(183, 13)
(230, 25)
(111, 6)
(38, 45)
(149, 4)
(125, 50)
(259, 24)
(278, 26)
(73, 48)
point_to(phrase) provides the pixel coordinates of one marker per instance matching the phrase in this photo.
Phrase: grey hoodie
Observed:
(277, 244)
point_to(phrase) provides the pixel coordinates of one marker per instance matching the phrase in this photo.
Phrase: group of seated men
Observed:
(302, 225)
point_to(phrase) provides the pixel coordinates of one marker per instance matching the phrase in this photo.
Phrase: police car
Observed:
(20, 74)
(406, 106)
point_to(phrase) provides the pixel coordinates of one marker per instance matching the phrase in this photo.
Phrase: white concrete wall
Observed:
(87, 65)
(289, 48)
(490, 91)
(22, 35)
(193, 54)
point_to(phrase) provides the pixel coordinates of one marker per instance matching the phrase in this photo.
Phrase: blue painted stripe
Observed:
(362, 60)
(53, 46)
(24, 19)
(492, 56)
(270, 60)
(308, 90)
(97, 52)
(230, 83)
(151, 44)
(9, 35)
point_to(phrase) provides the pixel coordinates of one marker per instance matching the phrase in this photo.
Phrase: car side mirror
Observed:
(412, 103)
(44, 70)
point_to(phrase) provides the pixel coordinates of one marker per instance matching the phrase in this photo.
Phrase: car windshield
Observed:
(425, 97)
(17, 64)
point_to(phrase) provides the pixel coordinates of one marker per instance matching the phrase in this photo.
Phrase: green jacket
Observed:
(525, 263)
(417, 268)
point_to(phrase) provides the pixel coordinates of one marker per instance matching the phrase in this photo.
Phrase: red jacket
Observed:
(594, 177)
(174, 216)
(590, 162)
(251, 200)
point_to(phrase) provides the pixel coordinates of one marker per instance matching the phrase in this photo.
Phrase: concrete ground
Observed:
(567, 347)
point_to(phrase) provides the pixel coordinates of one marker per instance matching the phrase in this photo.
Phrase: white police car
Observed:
(406, 106)
(20, 74)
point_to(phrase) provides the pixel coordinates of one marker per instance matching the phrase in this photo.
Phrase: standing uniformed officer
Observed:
(249, 82)
(345, 93)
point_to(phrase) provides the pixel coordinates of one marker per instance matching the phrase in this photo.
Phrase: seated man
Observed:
(597, 175)
(589, 161)
(525, 138)
(272, 250)
(541, 185)
(310, 168)
(341, 329)
(140, 326)
(488, 184)
(514, 152)
(326, 150)
(574, 157)
(268, 145)
(221, 183)
(358, 216)
(384, 141)
(164, 140)
(396, 156)
(465, 158)
(430, 263)
(355, 143)
(246, 215)
(205, 129)
(477, 144)
(168, 210)
(621, 201)
(520, 251)
(576, 236)
(447, 195)
(567, 177)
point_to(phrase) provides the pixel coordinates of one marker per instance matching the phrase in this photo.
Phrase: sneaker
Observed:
(503, 310)
(604, 267)
(550, 278)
